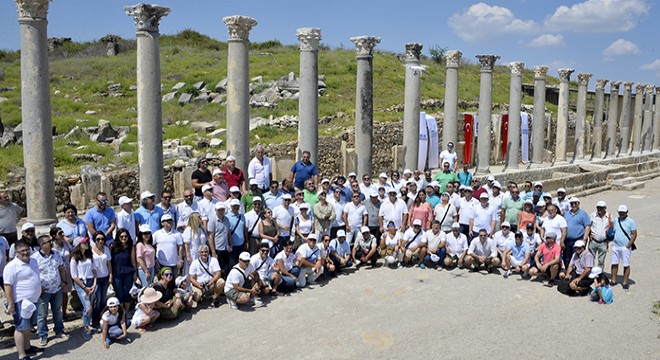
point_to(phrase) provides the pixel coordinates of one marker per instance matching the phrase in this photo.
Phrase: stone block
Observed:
(169, 96)
(91, 182)
(216, 143)
(106, 187)
(202, 99)
(202, 126)
(199, 85)
(77, 196)
(185, 98)
(218, 132)
(181, 180)
(281, 167)
(622, 182)
(221, 86)
(178, 86)
(397, 155)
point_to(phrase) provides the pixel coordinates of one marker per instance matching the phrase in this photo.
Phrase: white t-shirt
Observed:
(126, 221)
(483, 217)
(393, 211)
(311, 254)
(392, 241)
(502, 241)
(456, 245)
(439, 212)
(82, 270)
(446, 156)
(410, 234)
(283, 217)
(251, 218)
(167, 246)
(434, 240)
(101, 262)
(197, 269)
(287, 260)
(24, 279)
(236, 276)
(207, 208)
(4, 248)
(465, 210)
(262, 267)
(354, 214)
(339, 211)
(554, 225)
(109, 318)
(194, 241)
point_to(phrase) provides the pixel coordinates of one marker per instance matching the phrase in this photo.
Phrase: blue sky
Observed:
(613, 39)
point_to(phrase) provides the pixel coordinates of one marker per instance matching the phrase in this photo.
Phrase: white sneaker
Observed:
(507, 273)
(258, 303)
(358, 263)
(399, 266)
(232, 304)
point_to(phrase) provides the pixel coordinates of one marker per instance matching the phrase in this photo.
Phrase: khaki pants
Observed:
(599, 251)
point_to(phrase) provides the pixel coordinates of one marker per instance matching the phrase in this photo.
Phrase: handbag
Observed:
(609, 234)
(633, 247)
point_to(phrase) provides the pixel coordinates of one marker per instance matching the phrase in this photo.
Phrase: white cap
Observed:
(234, 189)
(255, 199)
(435, 183)
(507, 224)
(455, 225)
(245, 256)
(382, 175)
(364, 229)
(622, 208)
(407, 171)
(234, 202)
(461, 188)
(352, 174)
(491, 178)
(312, 236)
(529, 202)
(546, 195)
(217, 171)
(341, 233)
(497, 185)
(601, 204)
(166, 217)
(286, 197)
(27, 226)
(325, 181)
(231, 158)
(484, 195)
(125, 200)
(469, 188)
(435, 258)
(561, 190)
(207, 187)
(144, 228)
(180, 279)
(373, 194)
(595, 271)
(254, 182)
(220, 205)
(146, 194)
(113, 301)
(538, 183)
(540, 203)
(391, 190)
(579, 243)
(573, 199)
(304, 206)
(417, 222)
(27, 309)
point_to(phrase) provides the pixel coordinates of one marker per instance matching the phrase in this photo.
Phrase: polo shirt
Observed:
(151, 218)
(202, 177)
(302, 172)
(219, 229)
(260, 171)
(167, 246)
(233, 178)
(503, 241)
(456, 245)
(512, 208)
(576, 224)
(127, 221)
(628, 225)
(220, 190)
(465, 178)
(393, 211)
(4, 249)
(24, 279)
(365, 244)
(246, 199)
(184, 210)
(599, 226)
(237, 221)
(487, 248)
(433, 200)
(582, 261)
(518, 251)
(311, 197)
(444, 178)
(434, 240)
(341, 248)
(465, 210)
(101, 220)
(549, 253)
(273, 200)
(287, 260)
(9, 216)
(49, 272)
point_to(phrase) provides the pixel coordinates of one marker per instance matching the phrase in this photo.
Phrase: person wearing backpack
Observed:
(625, 234)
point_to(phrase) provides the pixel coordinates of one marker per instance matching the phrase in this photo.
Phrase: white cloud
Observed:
(547, 40)
(620, 47)
(482, 22)
(654, 66)
(598, 16)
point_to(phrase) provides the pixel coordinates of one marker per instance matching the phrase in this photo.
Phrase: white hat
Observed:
(468, 188)
(455, 225)
(207, 187)
(573, 199)
(325, 181)
(234, 202)
(382, 175)
(435, 183)
(538, 183)
(27, 226)
(622, 208)
(125, 200)
(484, 195)
(231, 158)
(407, 171)
(491, 178)
(312, 236)
(374, 193)
(546, 195)
(529, 202)
(27, 309)
(217, 171)
(245, 256)
(461, 188)
(78, 240)
(417, 222)
(341, 233)
(579, 243)
(435, 258)
(255, 199)
(254, 182)
(286, 197)
(506, 223)
(166, 217)
(601, 204)
(497, 185)
(113, 301)
(351, 174)
(561, 190)
(391, 190)
(180, 279)
(304, 206)
(144, 228)
(234, 189)
(595, 271)
(540, 203)
(146, 194)
(220, 206)
(364, 229)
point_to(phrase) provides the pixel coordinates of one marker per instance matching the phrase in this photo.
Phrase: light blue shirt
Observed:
(151, 218)
(101, 220)
(238, 237)
(576, 223)
(73, 231)
(342, 249)
(518, 252)
(628, 225)
(272, 201)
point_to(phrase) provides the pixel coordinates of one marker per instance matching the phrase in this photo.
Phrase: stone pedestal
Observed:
(637, 121)
(597, 136)
(538, 118)
(35, 112)
(364, 101)
(450, 125)
(562, 114)
(625, 118)
(612, 118)
(486, 62)
(238, 88)
(308, 103)
(581, 118)
(647, 120)
(411, 106)
(515, 98)
(150, 119)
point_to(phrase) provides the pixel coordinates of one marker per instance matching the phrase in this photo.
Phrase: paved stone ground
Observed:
(383, 313)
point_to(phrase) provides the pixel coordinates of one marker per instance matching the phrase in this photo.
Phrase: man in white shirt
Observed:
(206, 276)
(187, 207)
(169, 245)
(393, 209)
(367, 186)
(311, 266)
(449, 156)
(445, 213)
(355, 216)
(238, 289)
(555, 223)
(284, 216)
(252, 219)
(483, 216)
(601, 220)
(338, 203)
(415, 243)
(482, 252)
(126, 217)
(562, 202)
(456, 247)
(465, 206)
(436, 240)
(262, 269)
(207, 204)
(260, 169)
(503, 238)
(52, 276)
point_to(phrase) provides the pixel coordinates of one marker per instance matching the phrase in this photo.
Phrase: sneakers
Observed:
(474, 269)
(358, 263)
(399, 266)
(43, 342)
(258, 303)
(33, 350)
(63, 336)
(421, 266)
(86, 335)
(232, 304)
(507, 273)
(490, 270)
(626, 287)
(216, 303)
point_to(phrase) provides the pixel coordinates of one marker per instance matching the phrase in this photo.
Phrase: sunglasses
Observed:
(167, 274)
(263, 250)
(188, 196)
(99, 239)
(167, 197)
(103, 201)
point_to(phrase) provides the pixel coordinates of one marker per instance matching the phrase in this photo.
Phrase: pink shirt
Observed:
(422, 212)
(549, 254)
(220, 191)
(147, 253)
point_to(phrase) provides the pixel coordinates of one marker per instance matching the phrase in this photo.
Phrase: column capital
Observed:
(657, 90)
(583, 78)
(239, 27)
(146, 16)
(487, 61)
(453, 58)
(365, 44)
(413, 51)
(639, 88)
(650, 88)
(517, 68)
(565, 74)
(309, 38)
(32, 9)
(600, 84)
(540, 72)
(614, 86)
(627, 86)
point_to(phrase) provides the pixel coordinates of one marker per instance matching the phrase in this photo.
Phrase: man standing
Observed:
(555, 224)
(601, 220)
(233, 175)
(446, 176)
(311, 266)
(27, 235)
(187, 207)
(252, 219)
(237, 230)
(338, 204)
(22, 292)
(206, 276)
(273, 197)
(169, 245)
(449, 156)
(167, 207)
(511, 206)
(562, 202)
(207, 204)
(101, 218)
(218, 227)
(53, 277)
(547, 261)
(10, 214)
(200, 177)
(149, 213)
(373, 209)
(482, 252)
(303, 170)
(465, 207)
(219, 185)
(483, 217)
(284, 217)
(355, 216)
(578, 227)
(578, 270)
(254, 192)
(445, 213)
(260, 169)
(465, 176)
(625, 234)
(126, 218)
(324, 215)
(393, 209)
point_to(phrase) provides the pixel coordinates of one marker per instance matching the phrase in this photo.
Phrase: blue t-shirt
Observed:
(465, 178)
(303, 172)
(342, 249)
(101, 220)
(576, 224)
(433, 200)
(144, 216)
(518, 252)
(628, 225)
(238, 237)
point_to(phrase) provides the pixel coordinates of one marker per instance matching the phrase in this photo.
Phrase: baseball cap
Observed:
(144, 228)
(573, 199)
(435, 183)
(518, 234)
(538, 183)
(373, 194)
(113, 301)
(364, 229)
(244, 256)
(217, 171)
(125, 200)
(595, 271)
(312, 236)
(537, 193)
(146, 194)
(391, 190)
(540, 203)
(286, 197)
(234, 189)
(484, 196)
(180, 279)
(491, 178)
(256, 199)
(551, 235)
(382, 175)
(601, 204)
(579, 243)
(507, 224)
(254, 182)
(547, 195)
(166, 217)
(561, 190)
(341, 233)
(304, 206)
(325, 181)
(220, 205)
(468, 188)
(530, 226)
(231, 158)
(27, 226)
(497, 185)
(352, 174)
(455, 225)
(529, 202)
(235, 202)
(417, 222)
(622, 208)
(207, 187)
(407, 171)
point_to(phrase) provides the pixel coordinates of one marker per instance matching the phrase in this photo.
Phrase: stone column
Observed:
(625, 117)
(637, 121)
(538, 118)
(486, 62)
(364, 101)
(411, 119)
(308, 103)
(35, 112)
(450, 124)
(238, 88)
(656, 121)
(581, 118)
(562, 114)
(612, 118)
(647, 126)
(515, 98)
(598, 118)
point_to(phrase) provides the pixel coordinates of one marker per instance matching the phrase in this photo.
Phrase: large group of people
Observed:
(243, 236)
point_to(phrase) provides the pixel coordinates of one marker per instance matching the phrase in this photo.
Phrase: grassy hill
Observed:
(77, 78)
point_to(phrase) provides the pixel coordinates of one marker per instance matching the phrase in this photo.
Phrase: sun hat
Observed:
(150, 295)
(79, 240)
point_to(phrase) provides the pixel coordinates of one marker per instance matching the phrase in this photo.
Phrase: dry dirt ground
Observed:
(383, 313)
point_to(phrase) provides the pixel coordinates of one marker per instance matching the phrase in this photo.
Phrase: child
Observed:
(113, 322)
(145, 314)
(185, 292)
(602, 291)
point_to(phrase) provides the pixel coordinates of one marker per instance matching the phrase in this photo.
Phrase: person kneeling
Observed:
(482, 252)
(285, 264)
(309, 258)
(579, 283)
(414, 244)
(340, 252)
(364, 249)
(263, 271)
(456, 247)
(547, 259)
(435, 251)
(113, 320)
(238, 289)
(206, 276)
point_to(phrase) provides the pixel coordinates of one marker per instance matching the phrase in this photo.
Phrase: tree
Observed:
(438, 53)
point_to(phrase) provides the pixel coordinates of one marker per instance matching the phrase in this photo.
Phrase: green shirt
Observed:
(311, 197)
(512, 208)
(246, 199)
(444, 179)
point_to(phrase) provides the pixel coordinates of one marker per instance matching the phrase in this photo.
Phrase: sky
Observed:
(612, 39)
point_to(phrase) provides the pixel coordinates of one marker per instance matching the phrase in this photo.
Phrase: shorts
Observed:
(621, 254)
(20, 323)
(514, 261)
(233, 294)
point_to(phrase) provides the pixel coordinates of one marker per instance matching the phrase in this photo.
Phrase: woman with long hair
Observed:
(194, 235)
(64, 248)
(145, 255)
(84, 278)
(102, 263)
(268, 231)
(526, 216)
(124, 266)
(422, 210)
(304, 226)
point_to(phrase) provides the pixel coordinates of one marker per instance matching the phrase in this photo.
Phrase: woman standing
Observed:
(268, 231)
(123, 267)
(64, 248)
(145, 255)
(103, 266)
(85, 281)
(304, 226)
(194, 235)
(422, 210)
(72, 225)
(526, 216)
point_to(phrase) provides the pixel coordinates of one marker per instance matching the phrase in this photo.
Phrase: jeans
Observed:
(599, 251)
(86, 301)
(142, 275)
(235, 252)
(465, 230)
(288, 284)
(101, 297)
(224, 260)
(55, 302)
(568, 251)
(115, 331)
(442, 252)
(122, 283)
(337, 263)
